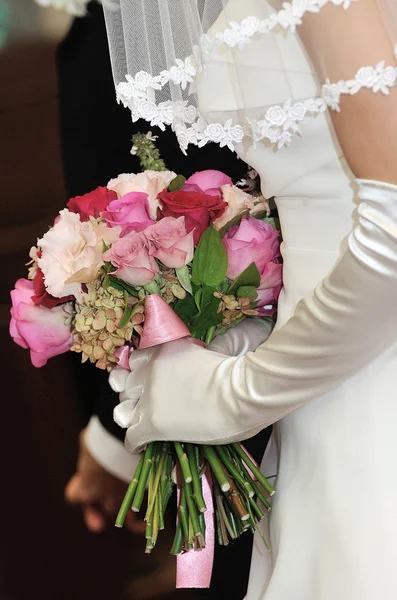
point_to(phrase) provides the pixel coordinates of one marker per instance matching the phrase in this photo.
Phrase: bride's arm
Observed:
(192, 394)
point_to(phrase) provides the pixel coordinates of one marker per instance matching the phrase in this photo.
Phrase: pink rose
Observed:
(170, 242)
(131, 213)
(130, 255)
(209, 182)
(47, 332)
(269, 289)
(148, 182)
(251, 241)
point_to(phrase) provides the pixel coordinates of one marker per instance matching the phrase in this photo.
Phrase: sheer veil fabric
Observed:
(160, 48)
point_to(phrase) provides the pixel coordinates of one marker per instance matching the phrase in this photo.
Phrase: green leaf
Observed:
(210, 260)
(248, 277)
(235, 221)
(184, 279)
(247, 291)
(186, 309)
(126, 316)
(206, 318)
(197, 297)
(177, 183)
(122, 286)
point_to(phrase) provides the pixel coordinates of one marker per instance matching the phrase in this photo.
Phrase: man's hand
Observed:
(98, 493)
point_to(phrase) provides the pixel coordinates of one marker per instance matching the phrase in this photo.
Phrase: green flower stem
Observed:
(161, 510)
(233, 525)
(218, 528)
(147, 464)
(253, 467)
(224, 516)
(159, 465)
(221, 528)
(217, 468)
(202, 523)
(183, 462)
(209, 336)
(129, 496)
(197, 486)
(238, 502)
(234, 472)
(148, 536)
(193, 514)
(260, 496)
(256, 489)
(156, 519)
(183, 516)
(166, 478)
(257, 529)
(192, 537)
(257, 510)
(178, 540)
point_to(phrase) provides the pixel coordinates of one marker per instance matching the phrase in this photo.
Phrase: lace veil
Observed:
(284, 63)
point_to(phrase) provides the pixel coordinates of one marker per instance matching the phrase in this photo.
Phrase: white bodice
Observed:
(313, 186)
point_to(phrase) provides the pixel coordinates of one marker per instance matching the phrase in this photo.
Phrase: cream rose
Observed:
(71, 253)
(148, 182)
(237, 202)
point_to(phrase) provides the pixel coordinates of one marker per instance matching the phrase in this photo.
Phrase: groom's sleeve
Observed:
(105, 439)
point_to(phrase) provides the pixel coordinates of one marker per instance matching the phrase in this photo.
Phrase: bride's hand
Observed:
(148, 408)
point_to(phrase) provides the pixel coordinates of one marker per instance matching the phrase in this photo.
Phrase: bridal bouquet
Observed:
(150, 258)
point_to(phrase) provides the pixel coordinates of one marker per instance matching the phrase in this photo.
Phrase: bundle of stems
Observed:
(240, 492)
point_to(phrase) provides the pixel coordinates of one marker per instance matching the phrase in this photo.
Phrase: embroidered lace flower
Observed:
(280, 122)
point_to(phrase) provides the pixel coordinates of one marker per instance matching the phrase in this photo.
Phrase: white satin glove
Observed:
(191, 394)
(237, 341)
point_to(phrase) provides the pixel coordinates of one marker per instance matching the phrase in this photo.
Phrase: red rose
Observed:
(199, 209)
(91, 204)
(41, 297)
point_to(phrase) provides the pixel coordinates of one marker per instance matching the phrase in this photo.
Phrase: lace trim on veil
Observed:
(280, 123)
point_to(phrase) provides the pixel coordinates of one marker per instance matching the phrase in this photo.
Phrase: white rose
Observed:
(237, 202)
(142, 80)
(72, 253)
(231, 37)
(166, 112)
(147, 110)
(189, 114)
(250, 26)
(297, 111)
(177, 75)
(215, 132)
(366, 76)
(389, 76)
(276, 115)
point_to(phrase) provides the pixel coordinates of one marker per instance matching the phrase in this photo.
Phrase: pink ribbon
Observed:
(194, 568)
(161, 324)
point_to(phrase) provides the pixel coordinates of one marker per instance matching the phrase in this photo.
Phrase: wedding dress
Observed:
(333, 525)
